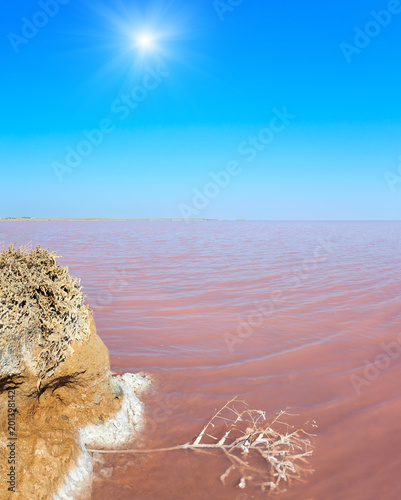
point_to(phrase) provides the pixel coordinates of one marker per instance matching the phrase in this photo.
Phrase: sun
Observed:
(145, 40)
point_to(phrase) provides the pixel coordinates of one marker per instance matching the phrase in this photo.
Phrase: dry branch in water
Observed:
(266, 454)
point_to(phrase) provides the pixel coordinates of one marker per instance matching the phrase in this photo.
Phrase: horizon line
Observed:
(100, 219)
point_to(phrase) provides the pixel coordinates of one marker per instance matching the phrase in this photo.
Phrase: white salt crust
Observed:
(110, 434)
(78, 482)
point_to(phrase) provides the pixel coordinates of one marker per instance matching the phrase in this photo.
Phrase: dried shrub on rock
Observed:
(42, 311)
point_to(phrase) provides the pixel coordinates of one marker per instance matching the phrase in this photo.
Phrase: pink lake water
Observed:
(281, 314)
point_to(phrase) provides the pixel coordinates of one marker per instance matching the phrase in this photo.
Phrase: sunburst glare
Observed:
(145, 40)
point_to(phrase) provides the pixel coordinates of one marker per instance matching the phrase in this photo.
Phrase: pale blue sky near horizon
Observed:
(211, 83)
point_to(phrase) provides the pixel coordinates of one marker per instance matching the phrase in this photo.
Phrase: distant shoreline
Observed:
(28, 219)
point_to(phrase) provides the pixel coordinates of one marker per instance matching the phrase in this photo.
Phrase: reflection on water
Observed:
(283, 314)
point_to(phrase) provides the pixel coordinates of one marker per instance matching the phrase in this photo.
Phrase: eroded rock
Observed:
(55, 375)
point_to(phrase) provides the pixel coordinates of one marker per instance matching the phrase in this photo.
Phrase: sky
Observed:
(226, 109)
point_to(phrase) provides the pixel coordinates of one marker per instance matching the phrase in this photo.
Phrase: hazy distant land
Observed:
(13, 219)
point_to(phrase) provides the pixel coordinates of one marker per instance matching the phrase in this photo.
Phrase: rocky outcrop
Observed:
(56, 386)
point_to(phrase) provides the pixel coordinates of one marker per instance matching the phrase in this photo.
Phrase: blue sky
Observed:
(218, 76)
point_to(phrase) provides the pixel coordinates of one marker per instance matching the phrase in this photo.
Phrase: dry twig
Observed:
(266, 454)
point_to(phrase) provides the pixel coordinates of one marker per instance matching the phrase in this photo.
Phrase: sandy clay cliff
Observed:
(57, 393)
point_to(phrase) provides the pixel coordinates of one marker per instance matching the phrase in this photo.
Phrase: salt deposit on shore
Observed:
(111, 434)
